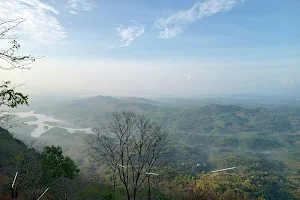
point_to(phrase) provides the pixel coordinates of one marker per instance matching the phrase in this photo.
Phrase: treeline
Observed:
(218, 119)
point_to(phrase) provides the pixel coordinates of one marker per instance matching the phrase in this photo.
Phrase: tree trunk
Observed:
(114, 177)
(127, 191)
(149, 188)
(134, 193)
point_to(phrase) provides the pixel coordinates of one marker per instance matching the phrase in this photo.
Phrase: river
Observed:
(42, 120)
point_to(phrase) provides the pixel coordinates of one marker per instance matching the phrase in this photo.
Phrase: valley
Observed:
(203, 137)
(45, 123)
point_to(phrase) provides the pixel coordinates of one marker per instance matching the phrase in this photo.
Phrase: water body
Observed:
(42, 120)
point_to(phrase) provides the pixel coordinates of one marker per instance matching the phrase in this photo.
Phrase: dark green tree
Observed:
(9, 97)
(56, 166)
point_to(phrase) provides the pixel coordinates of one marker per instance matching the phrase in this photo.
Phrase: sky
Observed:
(178, 48)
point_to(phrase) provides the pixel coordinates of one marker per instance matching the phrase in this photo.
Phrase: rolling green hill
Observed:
(204, 138)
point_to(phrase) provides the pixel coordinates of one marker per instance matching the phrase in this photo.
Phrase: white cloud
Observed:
(177, 22)
(73, 12)
(77, 5)
(287, 82)
(41, 24)
(128, 34)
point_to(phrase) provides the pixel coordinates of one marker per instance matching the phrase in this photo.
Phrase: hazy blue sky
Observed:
(178, 47)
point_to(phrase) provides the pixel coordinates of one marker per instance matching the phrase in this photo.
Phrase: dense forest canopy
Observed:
(263, 145)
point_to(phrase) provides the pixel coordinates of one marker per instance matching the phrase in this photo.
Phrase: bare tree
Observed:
(12, 59)
(9, 121)
(131, 145)
(11, 55)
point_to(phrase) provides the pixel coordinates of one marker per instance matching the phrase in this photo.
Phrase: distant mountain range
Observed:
(244, 101)
(90, 111)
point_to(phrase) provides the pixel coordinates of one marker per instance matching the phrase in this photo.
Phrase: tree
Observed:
(9, 97)
(12, 60)
(30, 179)
(11, 55)
(36, 171)
(131, 145)
(9, 120)
(55, 165)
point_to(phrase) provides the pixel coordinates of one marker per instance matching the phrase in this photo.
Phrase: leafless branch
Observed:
(9, 121)
(131, 141)
(7, 26)
(11, 55)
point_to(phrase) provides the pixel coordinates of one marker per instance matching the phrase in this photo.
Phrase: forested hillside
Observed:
(263, 144)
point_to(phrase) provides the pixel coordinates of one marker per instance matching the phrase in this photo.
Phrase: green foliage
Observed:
(36, 171)
(228, 186)
(55, 165)
(9, 97)
(95, 192)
